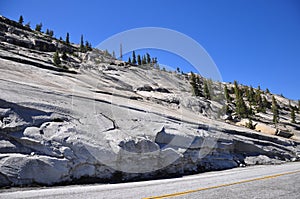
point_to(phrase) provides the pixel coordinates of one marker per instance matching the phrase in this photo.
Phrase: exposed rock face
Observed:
(110, 123)
(17, 34)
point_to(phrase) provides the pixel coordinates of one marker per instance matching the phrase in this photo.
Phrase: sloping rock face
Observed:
(100, 124)
(17, 34)
(53, 150)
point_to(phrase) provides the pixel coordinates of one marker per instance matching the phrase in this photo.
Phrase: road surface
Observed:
(268, 181)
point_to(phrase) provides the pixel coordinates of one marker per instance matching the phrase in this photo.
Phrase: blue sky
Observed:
(256, 42)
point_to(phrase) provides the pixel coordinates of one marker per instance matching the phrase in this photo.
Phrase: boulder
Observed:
(25, 169)
(260, 160)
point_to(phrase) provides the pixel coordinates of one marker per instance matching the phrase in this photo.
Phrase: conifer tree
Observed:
(259, 102)
(21, 20)
(129, 60)
(154, 60)
(144, 60)
(82, 48)
(293, 116)
(241, 108)
(56, 59)
(133, 58)
(206, 90)
(257, 97)
(251, 95)
(247, 92)
(51, 33)
(198, 85)
(194, 84)
(139, 61)
(275, 111)
(265, 104)
(226, 93)
(298, 105)
(148, 58)
(87, 46)
(38, 27)
(68, 38)
(106, 53)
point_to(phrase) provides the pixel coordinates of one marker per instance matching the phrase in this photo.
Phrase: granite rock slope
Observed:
(98, 119)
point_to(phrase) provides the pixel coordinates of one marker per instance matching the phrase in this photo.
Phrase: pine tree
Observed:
(144, 60)
(265, 104)
(139, 60)
(241, 108)
(106, 53)
(113, 54)
(247, 92)
(293, 116)
(148, 58)
(198, 85)
(298, 105)
(51, 33)
(88, 46)
(257, 97)
(250, 111)
(251, 95)
(194, 84)
(129, 60)
(82, 48)
(38, 27)
(21, 20)
(259, 102)
(226, 93)
(206, 90)
(154, 60)
(133, 58)
(56, 59)
(68, 38)
(275, 111)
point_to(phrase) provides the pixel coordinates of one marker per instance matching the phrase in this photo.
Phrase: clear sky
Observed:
(256, 42)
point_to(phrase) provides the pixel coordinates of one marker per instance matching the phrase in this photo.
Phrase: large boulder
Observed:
(21, 169)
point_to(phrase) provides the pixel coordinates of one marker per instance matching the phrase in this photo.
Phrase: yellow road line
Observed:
(222, 185)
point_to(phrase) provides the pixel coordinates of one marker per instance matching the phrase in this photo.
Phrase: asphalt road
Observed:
(271, 181)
